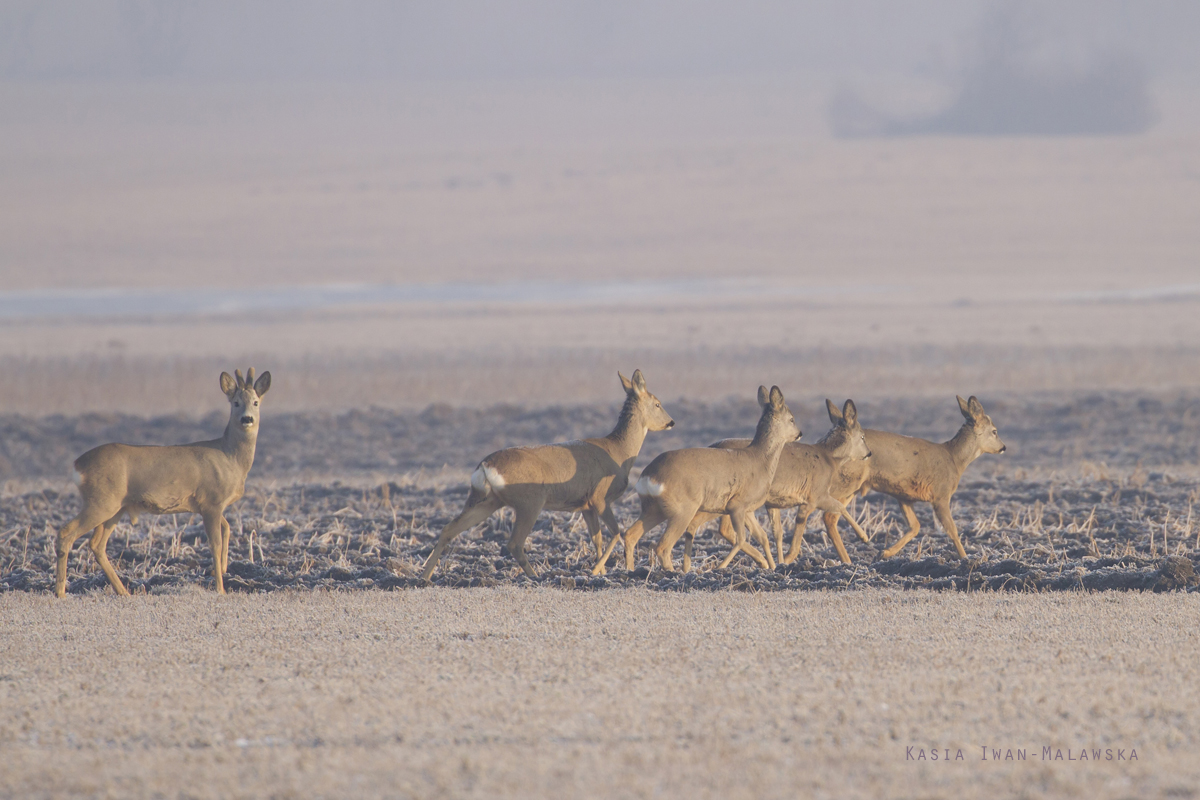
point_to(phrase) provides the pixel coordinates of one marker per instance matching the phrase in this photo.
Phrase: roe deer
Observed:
(915, 470)
(680, 483)
(805, 478)
(585, 476)
(204, 478)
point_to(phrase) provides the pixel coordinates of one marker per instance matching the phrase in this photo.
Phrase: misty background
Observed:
(564, 187)
(524, 39)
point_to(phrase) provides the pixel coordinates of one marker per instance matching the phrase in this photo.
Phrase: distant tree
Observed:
(1006, 91)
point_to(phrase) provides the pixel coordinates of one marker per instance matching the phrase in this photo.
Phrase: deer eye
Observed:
(256, 404)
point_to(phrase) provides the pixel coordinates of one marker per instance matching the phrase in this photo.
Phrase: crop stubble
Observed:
(647, 685)
(1098, 492)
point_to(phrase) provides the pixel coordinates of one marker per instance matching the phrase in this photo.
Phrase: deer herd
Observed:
(685, 489)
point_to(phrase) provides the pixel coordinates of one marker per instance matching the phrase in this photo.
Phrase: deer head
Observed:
(244, 394)
(986, 435)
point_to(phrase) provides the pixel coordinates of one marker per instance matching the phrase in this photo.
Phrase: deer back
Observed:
(910, 468)
(563, 474)
(161, 479)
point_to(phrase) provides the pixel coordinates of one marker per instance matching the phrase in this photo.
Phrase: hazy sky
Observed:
(382, 39)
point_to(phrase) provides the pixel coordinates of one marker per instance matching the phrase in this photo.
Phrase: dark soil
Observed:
(1110, 507)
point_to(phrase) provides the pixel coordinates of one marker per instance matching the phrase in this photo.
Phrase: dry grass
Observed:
(1098, 491)
(540, 692)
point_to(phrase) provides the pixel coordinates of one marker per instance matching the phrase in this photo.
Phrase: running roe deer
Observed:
(804, 478)
(203, 478)
(680, 483)
(585, 476)
(916, 470)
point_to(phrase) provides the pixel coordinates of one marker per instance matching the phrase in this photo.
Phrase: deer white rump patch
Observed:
(647, 486)
(77, 477)
(486, 478)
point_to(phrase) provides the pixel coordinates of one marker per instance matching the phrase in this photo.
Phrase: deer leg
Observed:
(777, 527)
(526, 516)
(601, 567)
(676, 527)
(763, 538)
(689, 537)
(632, 533)
(729, 535)
(914, 527)
(835, 506)
(650, 519)
(592, 520)
(98, 544)
(212, 526)
(802, 513)
(941, 510)
(610, 522)
(728, 532)
(738, 520)
(831, 505)
(225, 531)
(87, 520)
(470, 516)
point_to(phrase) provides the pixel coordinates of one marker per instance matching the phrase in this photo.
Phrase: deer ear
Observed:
(976, 407)
(639, 382)
(262, 384)
(227, 384)
(850, 413)
(626, 384)
(964, 408)
(776, 397)
(764, 396)
(835, 416)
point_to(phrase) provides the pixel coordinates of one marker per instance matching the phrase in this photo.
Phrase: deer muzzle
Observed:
(247, 421)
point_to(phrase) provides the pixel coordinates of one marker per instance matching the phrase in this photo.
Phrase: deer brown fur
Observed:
(678, 484)
(916, 470)
(203, 478)
(803, 480)
(588, 476)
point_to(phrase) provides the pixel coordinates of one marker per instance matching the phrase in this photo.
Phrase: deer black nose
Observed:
(1003, 447)
(671, 424)
(247, 420)
(869, 454)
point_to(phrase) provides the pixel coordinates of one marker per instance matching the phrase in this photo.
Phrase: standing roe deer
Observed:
(585, 476)
(916, 470)
(805, 478)
(203, 478)
(680, 483)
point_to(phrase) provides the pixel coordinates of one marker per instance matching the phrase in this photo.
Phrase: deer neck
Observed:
(629, 434)
(964, 448)
(239, 444)
(768, 443)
